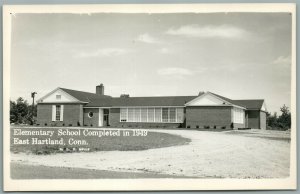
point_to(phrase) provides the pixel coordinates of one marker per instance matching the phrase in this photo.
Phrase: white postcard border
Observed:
(142, 184)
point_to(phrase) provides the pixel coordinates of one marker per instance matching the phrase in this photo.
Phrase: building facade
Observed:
(65, 107)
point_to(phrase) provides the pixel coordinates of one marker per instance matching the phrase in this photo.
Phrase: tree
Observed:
(272, 120)
(284, 120)
(21, 112)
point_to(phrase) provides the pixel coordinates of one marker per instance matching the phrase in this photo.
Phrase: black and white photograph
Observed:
(149, 97)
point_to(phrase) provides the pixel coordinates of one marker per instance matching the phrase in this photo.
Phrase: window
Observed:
(238, 115)
(165, 115)
(144, 115)
(137, 115)
(123, 114)
(179, 115)
(91, 114)
(155, 115)
(151, 114)
(57, 115)
(130, 114)
(57, 112)
(172, 115)
(58, 97)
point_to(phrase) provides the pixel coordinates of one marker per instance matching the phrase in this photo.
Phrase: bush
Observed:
(206, 126)
(197, 126)
(283, 122)
(224, 127)
(215, 126)
(22, 113)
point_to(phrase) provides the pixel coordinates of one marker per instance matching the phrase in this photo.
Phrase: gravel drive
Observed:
(209, 155)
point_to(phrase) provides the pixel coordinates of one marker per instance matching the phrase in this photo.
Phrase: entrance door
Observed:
(105, 117)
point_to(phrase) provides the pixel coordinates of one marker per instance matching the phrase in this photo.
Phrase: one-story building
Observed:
(65, 107)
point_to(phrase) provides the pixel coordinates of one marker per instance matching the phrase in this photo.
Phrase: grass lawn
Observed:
(94, 143)
(21, 171)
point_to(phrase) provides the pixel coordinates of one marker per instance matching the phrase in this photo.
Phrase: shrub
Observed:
(78, 123)
(197, 126)
(45, 124)
(224, 127)
(70, 125)
(215, 126)
(206, 126)
(188, 126)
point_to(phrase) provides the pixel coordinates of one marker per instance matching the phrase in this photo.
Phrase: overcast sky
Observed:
(237, 55)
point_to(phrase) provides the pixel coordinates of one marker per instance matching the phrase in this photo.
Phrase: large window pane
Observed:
(172, 115)
(57, 112)
(137, 115)
(144, 115)
(158, 115)
(130, 115)
(165, 115)
(123, 114)
(180, 115)
(151, 114)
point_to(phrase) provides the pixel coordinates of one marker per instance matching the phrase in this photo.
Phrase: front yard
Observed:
(137, 141)
(227, 154)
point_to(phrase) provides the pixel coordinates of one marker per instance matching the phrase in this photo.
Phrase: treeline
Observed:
(282, 122)
(21, 112)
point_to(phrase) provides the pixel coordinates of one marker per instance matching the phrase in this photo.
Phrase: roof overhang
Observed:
(72, 98)
(225, 102)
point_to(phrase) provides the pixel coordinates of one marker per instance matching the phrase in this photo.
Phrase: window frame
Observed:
(57, 112)
(155, 115)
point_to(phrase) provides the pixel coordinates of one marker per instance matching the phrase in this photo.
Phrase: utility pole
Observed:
(32, 96)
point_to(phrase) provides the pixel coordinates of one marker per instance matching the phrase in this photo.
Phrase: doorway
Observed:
(105, 117)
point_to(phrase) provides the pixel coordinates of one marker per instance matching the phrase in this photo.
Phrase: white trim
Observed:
(100, 124)
(57, 89)
(89, 114)
(209, 93)
(64, 102)
(61, 117)
(53, 112)
(264, 106)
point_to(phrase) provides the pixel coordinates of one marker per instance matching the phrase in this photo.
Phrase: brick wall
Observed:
(91, 121)
(114, 121)
(208, 116)
(72, 115)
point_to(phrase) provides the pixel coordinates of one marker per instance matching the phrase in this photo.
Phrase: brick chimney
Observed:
(100, 89)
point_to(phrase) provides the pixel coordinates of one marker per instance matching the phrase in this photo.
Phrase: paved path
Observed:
(210, 154)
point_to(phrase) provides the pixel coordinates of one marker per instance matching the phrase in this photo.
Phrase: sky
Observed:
(236, 55)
